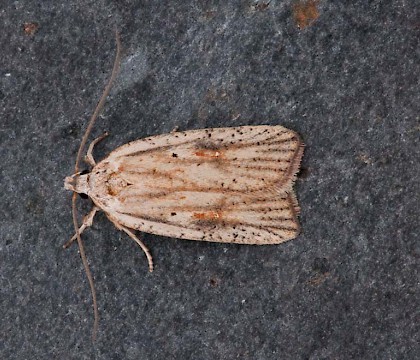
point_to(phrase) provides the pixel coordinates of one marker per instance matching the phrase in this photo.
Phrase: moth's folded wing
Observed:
(227, 184)
(257, 218)
(227, 159)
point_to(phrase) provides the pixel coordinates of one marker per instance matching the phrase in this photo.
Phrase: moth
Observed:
(230, 185)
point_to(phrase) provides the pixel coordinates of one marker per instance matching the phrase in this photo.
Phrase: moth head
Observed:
(78, 183)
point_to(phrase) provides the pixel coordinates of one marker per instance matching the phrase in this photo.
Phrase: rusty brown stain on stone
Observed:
(30, 28)
(305, 12)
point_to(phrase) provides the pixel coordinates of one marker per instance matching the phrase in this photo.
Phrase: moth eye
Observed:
(83, 196)
(84, 172)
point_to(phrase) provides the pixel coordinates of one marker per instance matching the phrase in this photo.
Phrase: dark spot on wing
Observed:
(207, 145)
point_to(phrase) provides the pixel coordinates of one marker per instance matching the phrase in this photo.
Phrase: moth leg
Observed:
(87, 222)
(89, 157)
(175, 129)
(140, 243)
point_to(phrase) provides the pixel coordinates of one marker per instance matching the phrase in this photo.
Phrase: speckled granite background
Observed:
(344, 75)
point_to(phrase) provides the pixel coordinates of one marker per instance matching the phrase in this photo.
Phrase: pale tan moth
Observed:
(231, 185)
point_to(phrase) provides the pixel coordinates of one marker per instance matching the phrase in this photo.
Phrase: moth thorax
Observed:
(115, 184)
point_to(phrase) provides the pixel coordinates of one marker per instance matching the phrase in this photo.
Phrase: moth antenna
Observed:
(76, 170)
(86, 266)
(101, 102)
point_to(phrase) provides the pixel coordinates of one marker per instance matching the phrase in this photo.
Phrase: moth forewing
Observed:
(223, 185)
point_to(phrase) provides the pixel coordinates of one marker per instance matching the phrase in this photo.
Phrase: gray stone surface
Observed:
(347, 288)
